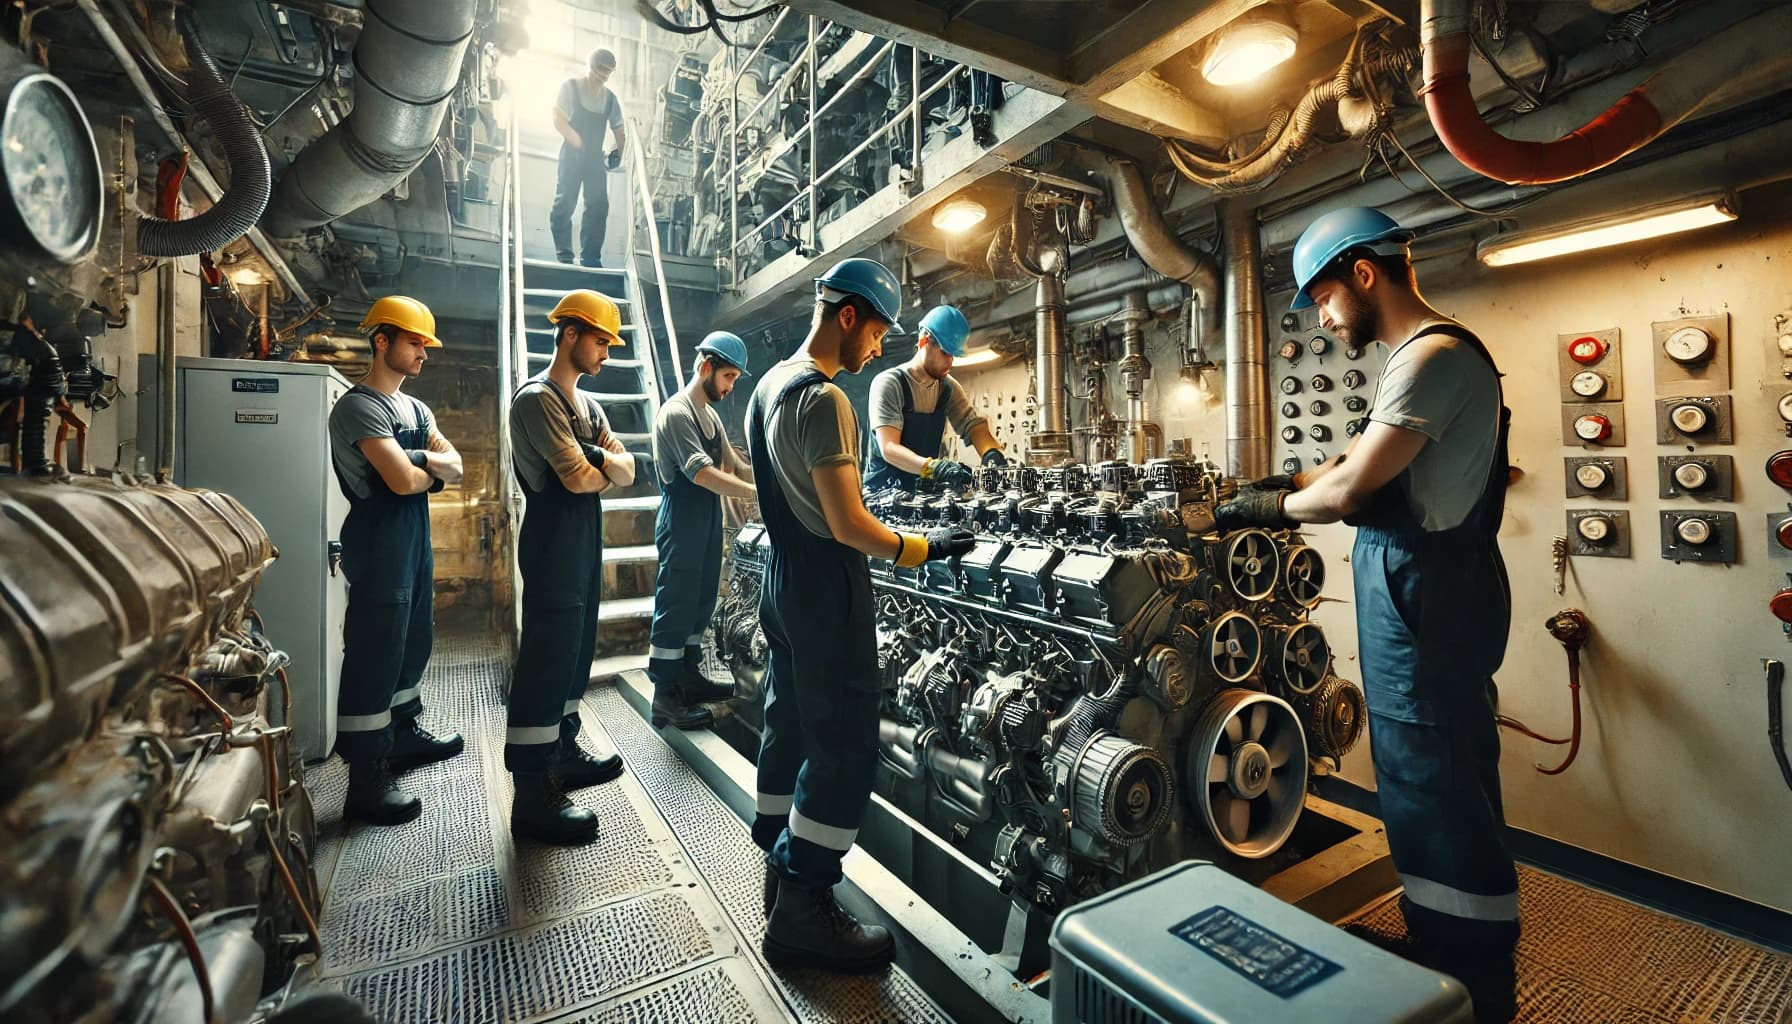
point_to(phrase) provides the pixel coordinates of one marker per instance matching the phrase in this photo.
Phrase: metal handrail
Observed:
(644, 188)
(513, 360)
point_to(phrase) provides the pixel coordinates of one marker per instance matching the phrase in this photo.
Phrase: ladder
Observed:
(630, 389)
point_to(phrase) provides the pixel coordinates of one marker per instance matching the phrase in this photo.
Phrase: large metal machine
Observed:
(1102, 687)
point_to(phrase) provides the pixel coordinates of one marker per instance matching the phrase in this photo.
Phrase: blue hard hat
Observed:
(869, 280)
(948, 327)
(725, 346)
(1336, 231)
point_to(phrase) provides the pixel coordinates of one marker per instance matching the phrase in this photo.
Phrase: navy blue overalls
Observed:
(582, 169)
(1433, 609)
(818, 750)
(560, 552)
(922, 433)
(688, 533)
(390, 620)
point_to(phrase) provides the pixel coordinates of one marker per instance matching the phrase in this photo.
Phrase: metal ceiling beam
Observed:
(928, 28)
(1157, 31)
(1152, 105)
(1025, 122)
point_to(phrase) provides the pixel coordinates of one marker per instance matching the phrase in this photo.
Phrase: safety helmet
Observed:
(1337, 231)
(601, 59)
(726, 347)
(404, 313)
(869, 280)
(948, 328)
(594, 309)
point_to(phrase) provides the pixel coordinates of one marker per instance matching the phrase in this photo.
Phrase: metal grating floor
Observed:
(1584, 955)
(447, 919)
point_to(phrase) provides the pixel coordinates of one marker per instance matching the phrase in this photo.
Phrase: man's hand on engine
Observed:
(949, 542)
(953, 476)
(1252, 508)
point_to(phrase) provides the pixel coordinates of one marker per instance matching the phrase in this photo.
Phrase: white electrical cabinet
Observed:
(259, 431)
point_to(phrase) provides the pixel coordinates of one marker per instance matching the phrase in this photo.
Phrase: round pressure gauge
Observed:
(1355, 427)
(1591, 475)
(53, 194)
(1786, 407)
(1586, 350)
(1320, 432)
(1354, 379)
(1290, 434)
(1355, 403)
(1290, 385)
(1689, 418)
(1320, 345)
(1291, 464)
(1290, 350)
(1779, 468)
(1290, 410)
(1587, 384)
(1592, 427)
(1353, 352)
(1689, 346)
(1320, 408)
(1692, 476)
(1593, 529)
(1693, 531)
(1320, 382)
(1786, 344)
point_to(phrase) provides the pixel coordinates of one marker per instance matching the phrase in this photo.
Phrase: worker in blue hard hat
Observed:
(1425, 484)
(695, 465)
(911, 405)
(818, 749)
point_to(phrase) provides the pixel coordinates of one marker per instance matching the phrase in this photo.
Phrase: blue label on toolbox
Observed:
(256, 385)
(1271, 962)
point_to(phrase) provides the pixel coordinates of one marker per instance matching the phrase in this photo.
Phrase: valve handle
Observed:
(1570, 628)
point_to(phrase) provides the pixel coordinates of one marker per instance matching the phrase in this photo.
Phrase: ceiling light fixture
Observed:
(1249, 47)
(1654, 222)
(958, 214)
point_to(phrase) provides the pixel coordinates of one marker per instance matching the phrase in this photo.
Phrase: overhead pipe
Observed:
(1160, 248)
(1051, 444)
(1753, 53)
(241, 205)
(1247, 346)
(407, 66)
(1135, 370)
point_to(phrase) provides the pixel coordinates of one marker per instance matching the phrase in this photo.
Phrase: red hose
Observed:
(1574, 738)
(1628, 125)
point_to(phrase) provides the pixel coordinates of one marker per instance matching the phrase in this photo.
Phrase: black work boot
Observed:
(374, 796)
(699, 687)
(808, 928)
(577, 768)
(670, 704)
(542, 812)
(414, 746)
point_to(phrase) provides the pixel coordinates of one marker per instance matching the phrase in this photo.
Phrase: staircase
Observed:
(629, 389)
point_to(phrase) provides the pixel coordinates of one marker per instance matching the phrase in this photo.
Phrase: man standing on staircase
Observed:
(584, 108)
(564, 456)
(388, 457)
(695, 466)
(911, 405)
(818, 750)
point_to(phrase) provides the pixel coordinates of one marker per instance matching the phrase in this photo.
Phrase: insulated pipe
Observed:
(1247, 346)
(1159, 246)
(1752, 52)
(407, 66)
(1135, 370)
(1052, 442)
(241, 205)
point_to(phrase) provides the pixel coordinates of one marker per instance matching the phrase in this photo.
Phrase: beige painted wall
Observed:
(1674, 772)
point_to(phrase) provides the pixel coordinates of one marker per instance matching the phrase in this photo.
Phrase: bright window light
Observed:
(1248, 48)
(1524, 247)
(958, 214)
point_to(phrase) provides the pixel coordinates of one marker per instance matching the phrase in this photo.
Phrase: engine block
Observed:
(1103, 686)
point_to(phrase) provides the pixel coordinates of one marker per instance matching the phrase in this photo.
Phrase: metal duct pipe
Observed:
(1051, 444)
(241, 205)
(407, 65)
(1247, 346)
(962, 780)
(1135, 370)
(168, 276)
(1159, 246)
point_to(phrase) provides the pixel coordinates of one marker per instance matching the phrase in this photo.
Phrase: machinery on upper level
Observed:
(1102, 686)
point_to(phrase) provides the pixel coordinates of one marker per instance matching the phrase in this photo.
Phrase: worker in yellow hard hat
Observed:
(388, 457)
(564, 456)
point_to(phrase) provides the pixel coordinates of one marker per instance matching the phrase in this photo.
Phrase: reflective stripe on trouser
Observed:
(1432, 620)
(560, 555)
(389, 624)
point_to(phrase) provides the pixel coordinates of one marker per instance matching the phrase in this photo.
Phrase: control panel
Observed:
(1323, 393)
(1598, 533)
(1698, 536)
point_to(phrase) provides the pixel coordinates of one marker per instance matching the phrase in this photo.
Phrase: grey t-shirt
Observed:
(815, 428)
(363, 413)
(544, 439)
(1442, 388)
(683, 437)
(886, 400)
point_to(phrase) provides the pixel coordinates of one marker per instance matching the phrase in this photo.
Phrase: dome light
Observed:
(1249, 47)
(959, 214)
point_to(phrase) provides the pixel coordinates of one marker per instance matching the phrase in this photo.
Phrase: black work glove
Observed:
(595, 454)
(953, 476)
(994, 457)
(613, 159)
(1262, 509)
(949, 541)
(1279, 482)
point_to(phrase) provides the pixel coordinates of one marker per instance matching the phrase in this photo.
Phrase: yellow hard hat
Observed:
(593, 308)
(406, 314)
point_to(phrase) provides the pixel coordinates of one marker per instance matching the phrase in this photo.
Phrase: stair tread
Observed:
(559, 293)
(571, 268)
(644, 503)
(632, 553)
(616, 609)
